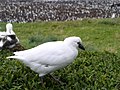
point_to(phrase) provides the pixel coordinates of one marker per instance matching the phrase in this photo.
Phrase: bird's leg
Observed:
(57, 80)
(42, 81)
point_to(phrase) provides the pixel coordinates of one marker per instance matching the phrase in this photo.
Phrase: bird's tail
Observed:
(16, 57)
(22, 59)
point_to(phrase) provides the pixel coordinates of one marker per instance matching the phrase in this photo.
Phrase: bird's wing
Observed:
(52, 53)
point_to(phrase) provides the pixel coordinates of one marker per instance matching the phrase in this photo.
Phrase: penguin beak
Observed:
(81, 46)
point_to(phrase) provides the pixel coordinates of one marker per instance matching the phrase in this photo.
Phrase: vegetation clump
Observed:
(91, 70)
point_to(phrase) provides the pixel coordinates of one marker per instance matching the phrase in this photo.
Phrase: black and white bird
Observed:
(8, 39)
(50, 56)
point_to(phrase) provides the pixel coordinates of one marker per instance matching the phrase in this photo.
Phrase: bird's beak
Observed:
(81, 46)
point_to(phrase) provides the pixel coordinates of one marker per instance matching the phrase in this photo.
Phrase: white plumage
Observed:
(113, 15)
(9, 31)
(50, 56)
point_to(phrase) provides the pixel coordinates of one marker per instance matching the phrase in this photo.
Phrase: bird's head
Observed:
(75, 42)
(9, 29)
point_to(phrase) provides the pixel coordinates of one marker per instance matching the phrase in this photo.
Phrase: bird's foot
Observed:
(57, 80)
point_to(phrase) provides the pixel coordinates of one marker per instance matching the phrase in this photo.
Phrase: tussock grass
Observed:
(91, 70)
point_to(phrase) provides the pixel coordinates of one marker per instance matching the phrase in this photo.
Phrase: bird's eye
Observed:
(78, 42)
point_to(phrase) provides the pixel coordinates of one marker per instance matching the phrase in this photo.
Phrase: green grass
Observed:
(97, 68)
(98, 35)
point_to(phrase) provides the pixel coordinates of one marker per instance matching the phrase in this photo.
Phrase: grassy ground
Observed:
(97, 68)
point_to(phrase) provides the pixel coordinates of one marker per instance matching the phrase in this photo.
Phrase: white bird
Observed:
(50, 56)
(113, 15)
